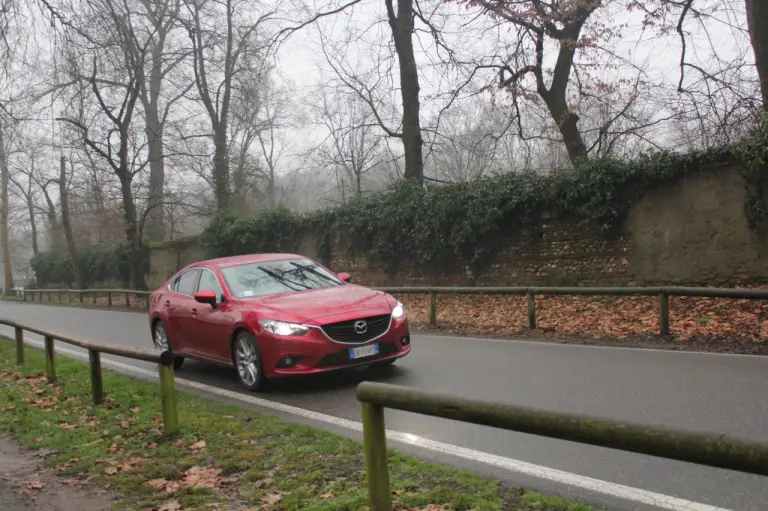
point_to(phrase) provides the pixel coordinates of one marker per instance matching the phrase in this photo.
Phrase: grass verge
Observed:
(227, 457)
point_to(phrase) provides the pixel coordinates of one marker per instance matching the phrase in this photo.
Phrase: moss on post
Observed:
(531, 310)
(375, 447)
(168, 395)
(664, 314)
(97, 385)
(19, 345)
(50, 363)
(432, 308)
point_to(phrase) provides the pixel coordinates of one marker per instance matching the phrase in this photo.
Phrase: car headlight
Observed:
(283, 328)
(399, 311)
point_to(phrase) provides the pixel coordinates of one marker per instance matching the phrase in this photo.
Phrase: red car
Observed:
(275, 315)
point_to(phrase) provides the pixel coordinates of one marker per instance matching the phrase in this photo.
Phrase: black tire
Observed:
(247, 361)
(158, 332)
(385, 363)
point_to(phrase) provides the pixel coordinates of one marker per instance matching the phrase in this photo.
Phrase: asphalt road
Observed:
(709, 393)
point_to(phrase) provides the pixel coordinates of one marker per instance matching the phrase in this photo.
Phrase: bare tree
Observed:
(5, 211)
(217, 58)
(123, 59)
(352, 145)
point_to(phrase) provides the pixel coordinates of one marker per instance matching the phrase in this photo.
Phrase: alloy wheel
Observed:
(160, 338)
(247, 361)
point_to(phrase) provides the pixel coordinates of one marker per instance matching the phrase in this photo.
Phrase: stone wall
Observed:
(693, 232)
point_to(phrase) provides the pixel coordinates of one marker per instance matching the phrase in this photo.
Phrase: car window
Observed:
(209, 282)
(188, 282)
(276, 277)
(175, 285)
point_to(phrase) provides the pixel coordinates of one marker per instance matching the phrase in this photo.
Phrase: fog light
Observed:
(405, 341)
(288, 361)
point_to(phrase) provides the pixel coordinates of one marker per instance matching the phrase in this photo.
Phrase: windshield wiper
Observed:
(315, 272)
(286, 282)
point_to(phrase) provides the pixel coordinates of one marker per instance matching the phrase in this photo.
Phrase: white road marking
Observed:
(620, 491)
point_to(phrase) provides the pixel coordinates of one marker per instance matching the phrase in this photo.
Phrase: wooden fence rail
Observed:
(662, 292)
(163, 360)
(703, 449)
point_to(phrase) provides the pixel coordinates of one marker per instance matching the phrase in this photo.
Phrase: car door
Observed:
(212, 326)
(180, 303)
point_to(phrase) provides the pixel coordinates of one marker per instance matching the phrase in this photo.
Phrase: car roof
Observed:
(223, 262)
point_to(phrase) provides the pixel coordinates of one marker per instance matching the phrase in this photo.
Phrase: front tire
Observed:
(385, 363)
(247, 360)
(160, 339)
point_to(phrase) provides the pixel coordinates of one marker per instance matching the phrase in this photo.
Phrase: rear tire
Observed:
(160, 339)
(247, 360)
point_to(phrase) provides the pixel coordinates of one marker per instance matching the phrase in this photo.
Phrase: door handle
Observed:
(167, 303)
(194, 312)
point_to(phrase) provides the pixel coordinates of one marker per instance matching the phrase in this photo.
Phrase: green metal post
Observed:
(531, 310)
(50, 365)
(168, 395)
(97, 385)
(19, 346)
(664, 314)
(375, 447)
(433, 308)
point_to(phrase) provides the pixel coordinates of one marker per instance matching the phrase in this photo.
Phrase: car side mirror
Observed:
(208, 297)
(345, 277)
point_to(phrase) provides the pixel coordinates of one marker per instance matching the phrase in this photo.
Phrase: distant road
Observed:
(712, 393)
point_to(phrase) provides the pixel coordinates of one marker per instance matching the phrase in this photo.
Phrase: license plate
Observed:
(363, 351)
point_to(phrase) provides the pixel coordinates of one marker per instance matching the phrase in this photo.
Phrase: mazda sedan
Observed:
(275, 315)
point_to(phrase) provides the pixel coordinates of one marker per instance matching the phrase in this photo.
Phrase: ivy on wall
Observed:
(436, 227)
(99, 263)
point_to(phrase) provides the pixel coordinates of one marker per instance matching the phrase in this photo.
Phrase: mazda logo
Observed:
(361, 327)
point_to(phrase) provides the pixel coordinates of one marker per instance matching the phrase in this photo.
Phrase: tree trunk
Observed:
(567, 123)
(402, 32)
(135, 260)
(4, 213)
(757, 21)
(155, 228)
(67, 225)
(33, 226)
(221, 188)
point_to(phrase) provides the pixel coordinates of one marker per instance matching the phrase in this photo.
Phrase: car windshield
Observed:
(277, 277)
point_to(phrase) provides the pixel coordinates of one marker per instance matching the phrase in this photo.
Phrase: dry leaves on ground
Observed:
(595, 317)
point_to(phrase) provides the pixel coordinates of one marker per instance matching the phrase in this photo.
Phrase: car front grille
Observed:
(346, 332)
(341, 357)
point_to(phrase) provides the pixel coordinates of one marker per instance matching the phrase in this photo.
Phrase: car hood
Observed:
(320, 306)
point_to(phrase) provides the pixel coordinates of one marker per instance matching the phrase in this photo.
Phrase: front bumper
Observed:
(316, 353)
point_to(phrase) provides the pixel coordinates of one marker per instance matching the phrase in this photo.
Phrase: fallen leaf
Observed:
(157, 483)
(110, 471)
(135, 409)
(11, 408)
(125, 424)
(171, 505)
(34, 485)
(330, 495)
(112, 448)
(39, 439)
(67, 426)
(197, 445)
(271, 498)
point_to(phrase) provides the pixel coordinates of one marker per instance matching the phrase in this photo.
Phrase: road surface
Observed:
(710, 393)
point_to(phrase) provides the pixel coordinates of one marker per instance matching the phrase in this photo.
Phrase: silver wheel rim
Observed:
(247, 361)
(161, 338)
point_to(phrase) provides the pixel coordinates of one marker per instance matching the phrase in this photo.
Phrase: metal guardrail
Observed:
(164, 361)
(663, 293)
(703, 449)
